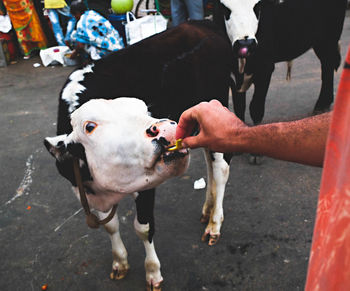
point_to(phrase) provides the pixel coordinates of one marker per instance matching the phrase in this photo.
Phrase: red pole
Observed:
(329, 264)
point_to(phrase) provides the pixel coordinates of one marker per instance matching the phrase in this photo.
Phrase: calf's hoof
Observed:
(119, 273)
(213, 238)
(155, 287)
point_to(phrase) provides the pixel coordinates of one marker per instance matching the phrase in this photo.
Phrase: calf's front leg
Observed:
(120, 264)
(144, 228)
(212, 212)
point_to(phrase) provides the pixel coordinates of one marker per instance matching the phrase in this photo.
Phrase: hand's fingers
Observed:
(187, 123)
(181, 132)
(215, 102)
(191, 117)
(192, 142)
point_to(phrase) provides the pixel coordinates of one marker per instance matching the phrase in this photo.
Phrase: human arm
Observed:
(302, 141)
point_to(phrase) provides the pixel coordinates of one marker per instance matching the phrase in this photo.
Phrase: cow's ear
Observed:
(61, 150)
(257, 9)
(218, 16)
(56, 147)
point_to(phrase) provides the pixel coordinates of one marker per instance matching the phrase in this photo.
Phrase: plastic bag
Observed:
(5, 23)
(54, 55)
(137, 29)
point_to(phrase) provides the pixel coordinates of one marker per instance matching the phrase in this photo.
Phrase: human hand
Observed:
(218, 127)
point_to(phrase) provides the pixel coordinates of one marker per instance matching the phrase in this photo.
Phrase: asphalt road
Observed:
(269, 209)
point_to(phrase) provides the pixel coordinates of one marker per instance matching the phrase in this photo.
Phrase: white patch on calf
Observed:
(72, 88)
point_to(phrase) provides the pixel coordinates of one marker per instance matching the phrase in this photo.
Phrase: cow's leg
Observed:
(239, 104)
(144, 227)
(120, 264)
(261, 80)
(212, 212)
(330, 58)
(238, 98)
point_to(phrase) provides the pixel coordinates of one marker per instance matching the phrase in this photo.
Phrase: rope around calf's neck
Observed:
(91, 219)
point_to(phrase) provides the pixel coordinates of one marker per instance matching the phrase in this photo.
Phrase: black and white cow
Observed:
(264, 32)
(122, 144)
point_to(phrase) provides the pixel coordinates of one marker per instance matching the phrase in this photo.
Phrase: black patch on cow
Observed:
(228, 157)
(77, 150)
(161, 142)
(65, 168)
(181, 62)
(211, 153)
(226, 11)
(65, 162)
(144, 209)
(173, 156)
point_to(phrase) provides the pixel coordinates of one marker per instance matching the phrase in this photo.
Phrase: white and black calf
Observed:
(121, 143)
(265, 32)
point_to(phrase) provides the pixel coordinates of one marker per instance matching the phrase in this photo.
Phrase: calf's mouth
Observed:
(161, 152)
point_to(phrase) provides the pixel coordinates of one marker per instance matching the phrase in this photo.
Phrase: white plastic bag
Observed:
(54, 55)
(137, 29)
(5, 23)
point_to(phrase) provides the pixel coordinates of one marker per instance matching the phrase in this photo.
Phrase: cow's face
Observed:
(123, 146)
(241, 21)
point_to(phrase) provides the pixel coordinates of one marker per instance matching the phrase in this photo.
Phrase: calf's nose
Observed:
(244, 47)
(163, 128)
(152, 131)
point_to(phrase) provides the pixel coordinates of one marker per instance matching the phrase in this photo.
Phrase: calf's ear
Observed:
(56, 146)
(61, 150)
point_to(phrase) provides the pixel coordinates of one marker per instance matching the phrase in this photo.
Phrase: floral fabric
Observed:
(27, 25)
(96, 31)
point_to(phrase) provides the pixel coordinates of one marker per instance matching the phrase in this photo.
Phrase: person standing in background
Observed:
(55, 7)
(182, 10)
(26, 23)
(94, 35)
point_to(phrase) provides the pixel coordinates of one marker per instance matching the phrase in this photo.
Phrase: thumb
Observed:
(191, 142)
(180, 132)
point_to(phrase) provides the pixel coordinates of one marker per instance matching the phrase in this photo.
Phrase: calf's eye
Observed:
(89, 126)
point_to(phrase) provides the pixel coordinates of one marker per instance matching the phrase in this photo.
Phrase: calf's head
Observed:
(121, 148)
(241, 21)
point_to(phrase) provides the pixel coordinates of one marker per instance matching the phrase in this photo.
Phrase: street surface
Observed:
(269, 209)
